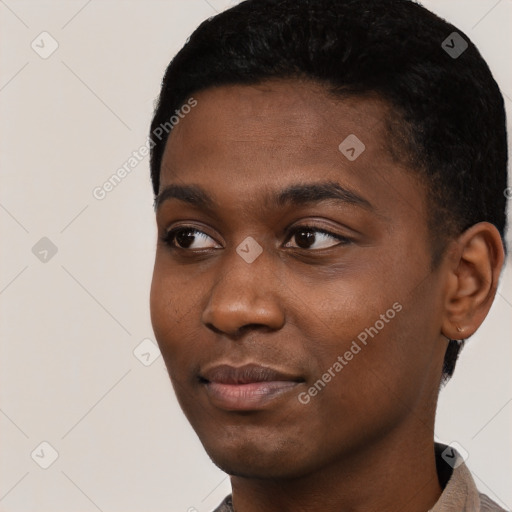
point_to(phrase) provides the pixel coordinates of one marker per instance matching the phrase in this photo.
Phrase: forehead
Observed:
(247, 141)
(298, 118)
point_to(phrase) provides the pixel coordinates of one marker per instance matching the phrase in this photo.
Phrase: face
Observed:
(281, 249)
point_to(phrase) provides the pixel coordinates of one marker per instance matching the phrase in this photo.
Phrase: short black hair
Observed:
(448, 118)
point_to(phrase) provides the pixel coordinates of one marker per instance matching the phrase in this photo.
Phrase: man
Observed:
(329, 182)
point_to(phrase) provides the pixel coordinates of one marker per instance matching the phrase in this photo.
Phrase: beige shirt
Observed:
(459, 495)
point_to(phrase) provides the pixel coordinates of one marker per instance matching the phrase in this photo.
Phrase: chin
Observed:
(248, 460)
(259, 471)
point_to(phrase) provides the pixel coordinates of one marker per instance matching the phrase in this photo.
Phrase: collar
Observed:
(460, 493)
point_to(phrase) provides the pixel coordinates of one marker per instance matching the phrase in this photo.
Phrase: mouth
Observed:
(247, 387)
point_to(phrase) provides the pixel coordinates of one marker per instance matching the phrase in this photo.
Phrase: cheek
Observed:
(175, 292)
(360, 341)
(365, 387)
(172, 304)
(372, 348)
(162, 306)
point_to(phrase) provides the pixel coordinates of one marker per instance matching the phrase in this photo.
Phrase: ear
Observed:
(474, 265)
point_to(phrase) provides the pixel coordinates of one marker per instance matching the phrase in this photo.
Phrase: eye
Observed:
(188, 238)
(307, 237)
(310, 237)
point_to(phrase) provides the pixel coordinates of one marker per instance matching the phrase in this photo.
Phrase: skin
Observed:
(365, 442)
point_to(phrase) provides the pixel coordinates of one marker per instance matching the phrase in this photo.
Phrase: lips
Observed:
(246, 387)
(249, 373)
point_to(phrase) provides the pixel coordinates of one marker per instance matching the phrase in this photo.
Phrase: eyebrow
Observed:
(296, 195)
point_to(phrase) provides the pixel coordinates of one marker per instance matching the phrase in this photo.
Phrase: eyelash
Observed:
(170, 236)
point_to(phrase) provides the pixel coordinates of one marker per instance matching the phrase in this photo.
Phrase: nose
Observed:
(245, 295)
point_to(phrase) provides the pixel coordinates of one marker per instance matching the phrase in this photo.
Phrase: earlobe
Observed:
(474, 267)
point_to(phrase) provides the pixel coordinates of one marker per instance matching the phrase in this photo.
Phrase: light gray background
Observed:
(68, 374)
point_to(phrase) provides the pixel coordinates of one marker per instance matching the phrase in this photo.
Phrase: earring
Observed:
(460, 329)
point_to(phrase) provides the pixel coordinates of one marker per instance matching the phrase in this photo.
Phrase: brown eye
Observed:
(187, 238)
(307, 236)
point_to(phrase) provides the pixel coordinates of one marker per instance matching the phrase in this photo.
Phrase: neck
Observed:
(398, 473)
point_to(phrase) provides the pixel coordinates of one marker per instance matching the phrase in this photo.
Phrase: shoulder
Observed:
(487, 505)
(225, 506)
(460, 492)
